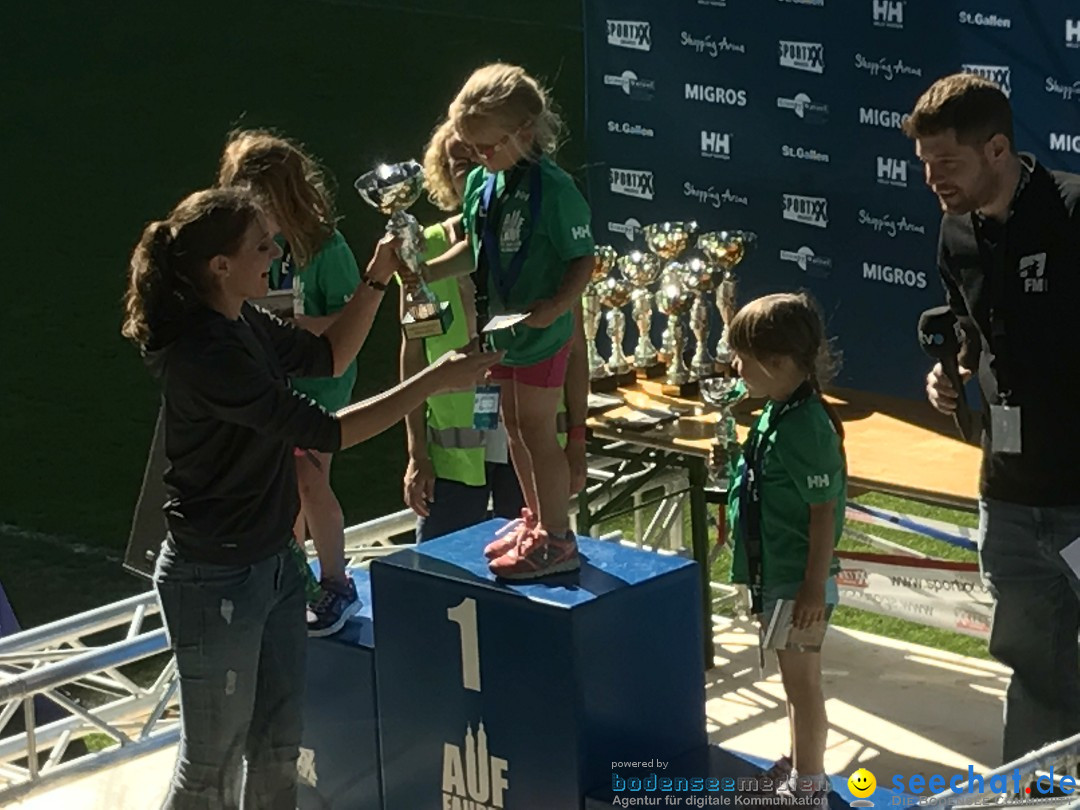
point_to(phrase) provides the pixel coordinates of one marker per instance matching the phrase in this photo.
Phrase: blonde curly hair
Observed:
(437, 175)
(513, 99)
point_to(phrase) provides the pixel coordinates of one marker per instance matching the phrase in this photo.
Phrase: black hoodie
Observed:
(231, 424)
(1027, 270)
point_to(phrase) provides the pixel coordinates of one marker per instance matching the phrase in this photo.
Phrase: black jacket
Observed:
(231, 423)
(1023, 277)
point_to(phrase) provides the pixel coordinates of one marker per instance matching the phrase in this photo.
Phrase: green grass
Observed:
(855, 618)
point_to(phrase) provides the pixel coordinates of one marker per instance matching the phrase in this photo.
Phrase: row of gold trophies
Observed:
(679, 283)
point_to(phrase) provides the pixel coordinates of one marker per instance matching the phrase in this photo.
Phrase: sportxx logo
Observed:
(1072, 33)
(886, 224)
(884, 68)
(581, 232)
(716, 144)
(476, 780)
(813, 265)
(819, 481)
(713, 47)
(1000, 75)
(628, 81)
(632, 183)
(633, 34)
(852, 578)
(1060, 142)
(803, 107)
(630, 229)
(888, 13)
(1067, 91)
(892, 171)
(808, 56)
(1032, 270)
(807, 210)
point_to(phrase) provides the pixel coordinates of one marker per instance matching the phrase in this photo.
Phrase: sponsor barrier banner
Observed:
(782, 117)
(937, 593)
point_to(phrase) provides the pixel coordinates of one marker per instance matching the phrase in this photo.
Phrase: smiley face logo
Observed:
(862, 783)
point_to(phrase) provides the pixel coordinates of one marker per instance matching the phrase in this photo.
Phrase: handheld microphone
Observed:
(939, 338)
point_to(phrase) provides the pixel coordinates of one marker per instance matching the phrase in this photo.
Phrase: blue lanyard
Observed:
(284, 280)
(489, 240)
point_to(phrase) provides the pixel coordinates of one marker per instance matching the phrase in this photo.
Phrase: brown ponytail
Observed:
(169, 272)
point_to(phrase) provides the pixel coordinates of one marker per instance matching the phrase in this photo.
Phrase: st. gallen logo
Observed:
(862, 785)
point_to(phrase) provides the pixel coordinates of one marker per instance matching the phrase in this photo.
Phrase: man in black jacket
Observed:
(1009, 256)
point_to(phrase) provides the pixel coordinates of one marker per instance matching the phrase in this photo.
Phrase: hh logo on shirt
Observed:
(581, 232)
(1032, 270)
(817, 481)
(510, 237)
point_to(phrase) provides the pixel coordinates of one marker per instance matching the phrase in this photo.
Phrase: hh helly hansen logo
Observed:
(1032, 271)
(581, 232)
(817, 481)
(510, 237)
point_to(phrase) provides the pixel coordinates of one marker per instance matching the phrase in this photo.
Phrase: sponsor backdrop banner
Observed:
(782, 116)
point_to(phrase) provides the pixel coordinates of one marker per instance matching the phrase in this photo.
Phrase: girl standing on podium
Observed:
(786, 508)
(319, 267)
(530, 242)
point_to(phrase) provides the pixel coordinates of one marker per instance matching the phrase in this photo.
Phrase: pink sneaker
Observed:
(538, 555)
(510, 535)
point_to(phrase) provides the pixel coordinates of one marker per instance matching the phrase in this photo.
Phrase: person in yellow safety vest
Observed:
(454, 469)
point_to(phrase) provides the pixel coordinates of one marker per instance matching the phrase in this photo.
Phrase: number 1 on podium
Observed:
(464, 616)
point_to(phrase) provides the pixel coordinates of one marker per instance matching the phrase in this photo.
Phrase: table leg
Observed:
(699, 539)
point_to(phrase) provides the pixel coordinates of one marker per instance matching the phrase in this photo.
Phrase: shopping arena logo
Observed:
(625, 128)
(887, 224)
(892, 171)
(809, 262)
(803, 107)
(1072, 33)
(807, 56)
(898, 276)
(801, 153)
(807, 210)
(984, 20)
(1000, 75)
(886, 119)
(710, 46)
(715, 95)
(633, 34)
(886, 69)
(1068, 92)
(888, 13)
(631, 229)
(629, 82)
(713, 196)
(716, 144)
(1061, 142)
(632, 183)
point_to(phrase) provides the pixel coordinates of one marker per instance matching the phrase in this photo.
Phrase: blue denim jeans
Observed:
(240, 639)
(458, 505)
(1036, 619)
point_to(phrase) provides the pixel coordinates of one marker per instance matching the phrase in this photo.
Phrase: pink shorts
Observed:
(550, 373)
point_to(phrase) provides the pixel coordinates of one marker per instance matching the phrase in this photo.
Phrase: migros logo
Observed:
(872, 271)
(715, 95)
(1060, 142)
(886, 119)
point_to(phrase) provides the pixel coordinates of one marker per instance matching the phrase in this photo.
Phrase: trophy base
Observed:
(626, 378)
(418, 328)
(651, 372)
(604, 385)
(688, 390)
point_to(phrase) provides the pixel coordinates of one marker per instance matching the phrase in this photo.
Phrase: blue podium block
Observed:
(339, 759)
(496, 695)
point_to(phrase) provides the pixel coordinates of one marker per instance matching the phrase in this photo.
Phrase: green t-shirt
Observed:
(562, 234)
(322, 288)
(803, 464)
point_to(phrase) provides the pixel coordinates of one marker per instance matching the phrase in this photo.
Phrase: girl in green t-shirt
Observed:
(320, 268)
(529, 239)
(786, 509)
